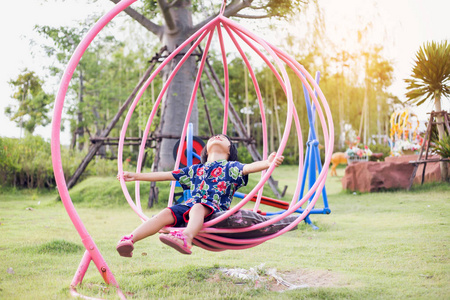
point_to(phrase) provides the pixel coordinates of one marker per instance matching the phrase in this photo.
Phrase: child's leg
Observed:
(153, 225)
(197, 215)
(125, 246)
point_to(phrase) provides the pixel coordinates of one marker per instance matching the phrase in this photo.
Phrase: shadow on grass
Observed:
(59, 247)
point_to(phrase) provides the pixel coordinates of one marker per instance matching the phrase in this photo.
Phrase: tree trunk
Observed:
(378, 119)
(176, 101)
(73, 141)
(98, 131)
(80, 128)
(275, 110)
(341, 95)
(441, 131)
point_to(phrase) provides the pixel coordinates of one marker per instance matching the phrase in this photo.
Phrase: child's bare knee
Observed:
(201, 209)
(166, 213)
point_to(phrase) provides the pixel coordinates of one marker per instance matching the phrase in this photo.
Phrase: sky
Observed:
(402, 26)
(17, 22)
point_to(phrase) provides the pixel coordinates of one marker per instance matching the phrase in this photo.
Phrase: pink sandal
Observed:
(125, 246)
(166, 239)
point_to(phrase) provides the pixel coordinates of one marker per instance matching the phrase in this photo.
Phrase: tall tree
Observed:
(92, 76)
(430, 79)
(379, 75)
(65, 41)
(34, 103)
(177, 25)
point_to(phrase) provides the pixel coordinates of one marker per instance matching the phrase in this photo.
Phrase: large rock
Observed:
(432, 171)
(394, 172)
(377, 176)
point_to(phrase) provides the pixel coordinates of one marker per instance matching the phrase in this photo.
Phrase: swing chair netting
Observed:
(276, 60)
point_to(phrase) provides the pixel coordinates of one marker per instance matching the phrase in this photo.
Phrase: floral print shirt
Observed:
(213, 183)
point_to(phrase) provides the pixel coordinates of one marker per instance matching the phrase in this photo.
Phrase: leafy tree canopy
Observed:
(251, 9)
(34, 103)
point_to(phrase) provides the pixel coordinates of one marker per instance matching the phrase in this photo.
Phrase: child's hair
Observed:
(233, 152)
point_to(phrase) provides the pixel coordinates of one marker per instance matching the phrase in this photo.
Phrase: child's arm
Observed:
(154, 176)
(259, 166)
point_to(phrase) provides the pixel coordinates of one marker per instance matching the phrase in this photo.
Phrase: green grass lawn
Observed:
(391, 245)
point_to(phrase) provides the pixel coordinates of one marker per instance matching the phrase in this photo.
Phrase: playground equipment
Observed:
(207, 238)
(404, 132)
(312, 166)
(313, 162)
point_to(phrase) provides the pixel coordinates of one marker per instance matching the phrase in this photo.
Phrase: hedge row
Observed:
(27, 163)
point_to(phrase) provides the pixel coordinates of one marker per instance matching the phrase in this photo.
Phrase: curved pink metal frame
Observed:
(279, 57)
(92, 252)
(207, 238)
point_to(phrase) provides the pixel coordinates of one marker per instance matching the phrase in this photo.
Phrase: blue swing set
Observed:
(312, 166)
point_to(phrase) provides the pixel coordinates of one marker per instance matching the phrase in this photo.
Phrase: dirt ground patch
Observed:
(303, 279)
(282, 280)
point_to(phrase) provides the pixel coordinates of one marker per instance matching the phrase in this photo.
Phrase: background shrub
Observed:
(380, 148)
(27, 163)
(442, 147)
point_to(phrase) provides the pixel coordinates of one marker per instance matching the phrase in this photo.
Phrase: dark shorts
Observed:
(180, 213)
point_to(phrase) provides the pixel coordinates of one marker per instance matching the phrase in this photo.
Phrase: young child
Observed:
(212, 184)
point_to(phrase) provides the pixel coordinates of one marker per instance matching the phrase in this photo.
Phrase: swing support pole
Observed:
(312, 159)
(92, 252)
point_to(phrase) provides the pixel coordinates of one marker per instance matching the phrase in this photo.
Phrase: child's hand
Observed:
(127, 176)
(278, 160)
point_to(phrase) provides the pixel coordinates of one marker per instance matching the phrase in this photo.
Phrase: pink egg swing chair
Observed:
(211, 238)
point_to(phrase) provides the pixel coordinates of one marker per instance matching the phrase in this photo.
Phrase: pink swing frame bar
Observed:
(207, 238)
(92, 253)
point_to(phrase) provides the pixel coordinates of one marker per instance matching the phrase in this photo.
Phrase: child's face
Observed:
(221, 142)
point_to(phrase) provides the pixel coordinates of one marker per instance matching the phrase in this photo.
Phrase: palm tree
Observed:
(431, 79)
